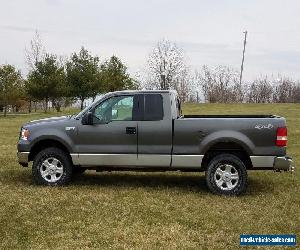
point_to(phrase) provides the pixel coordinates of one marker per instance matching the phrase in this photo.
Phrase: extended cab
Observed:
(139, 130)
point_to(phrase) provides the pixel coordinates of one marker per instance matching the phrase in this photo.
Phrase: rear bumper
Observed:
(23, 158)
(284, 163)
(277, 163)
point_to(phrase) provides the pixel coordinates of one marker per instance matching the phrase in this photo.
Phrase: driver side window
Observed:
(118, 108)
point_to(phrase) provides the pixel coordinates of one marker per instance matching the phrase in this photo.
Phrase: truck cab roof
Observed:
(143, 92)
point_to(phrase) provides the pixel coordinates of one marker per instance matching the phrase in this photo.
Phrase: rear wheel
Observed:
(52, 167)
(226, 174)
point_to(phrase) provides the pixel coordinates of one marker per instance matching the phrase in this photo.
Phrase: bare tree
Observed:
(296, 91)
(286, 90)
(260, 91)
(167, 69)
(220, 84)
(34, 54)
(183, 85)
(166, 63)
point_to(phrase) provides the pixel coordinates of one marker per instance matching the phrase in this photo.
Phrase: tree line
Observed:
(168, 68)
(221, 84)
(60, 81)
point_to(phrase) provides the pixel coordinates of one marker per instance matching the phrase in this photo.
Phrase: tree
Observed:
(166, 64)
(286, 91)
(220, 84)
(47, 81)
(167, 69)
(260, 91)
(183, 85)
(114, 76)
(11, 86)
(34, 54)
(17, 95)
(83, 75)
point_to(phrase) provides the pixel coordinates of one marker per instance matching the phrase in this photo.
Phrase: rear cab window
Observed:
(153, 107)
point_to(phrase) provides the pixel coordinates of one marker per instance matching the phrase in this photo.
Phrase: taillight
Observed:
(281, 137)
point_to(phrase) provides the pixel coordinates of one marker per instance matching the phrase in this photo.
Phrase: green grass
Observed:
(145, 210)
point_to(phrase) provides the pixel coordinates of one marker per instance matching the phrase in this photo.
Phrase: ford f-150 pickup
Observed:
(144, 130)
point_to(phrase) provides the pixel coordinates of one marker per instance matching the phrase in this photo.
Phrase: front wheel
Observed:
(226, 174)
(52, 167)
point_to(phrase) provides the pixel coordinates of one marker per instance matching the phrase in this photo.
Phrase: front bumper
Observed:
(23, 158)
(284, 163)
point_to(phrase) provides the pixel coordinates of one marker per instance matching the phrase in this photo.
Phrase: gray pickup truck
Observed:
(144, 130)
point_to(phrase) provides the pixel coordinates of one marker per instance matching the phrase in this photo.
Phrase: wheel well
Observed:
(43, 144)
(226, 147)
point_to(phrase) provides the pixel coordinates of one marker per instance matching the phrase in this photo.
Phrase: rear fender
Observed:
(226, 136)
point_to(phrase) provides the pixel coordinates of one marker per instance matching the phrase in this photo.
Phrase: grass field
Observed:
(145, 210)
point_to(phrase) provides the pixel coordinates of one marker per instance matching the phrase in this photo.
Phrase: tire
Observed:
(226, 174)
(78, 170)
(52, 167)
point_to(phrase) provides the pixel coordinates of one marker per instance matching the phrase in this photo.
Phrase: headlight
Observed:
(24, 134)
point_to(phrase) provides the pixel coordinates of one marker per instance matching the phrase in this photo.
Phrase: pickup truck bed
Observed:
(199, 133)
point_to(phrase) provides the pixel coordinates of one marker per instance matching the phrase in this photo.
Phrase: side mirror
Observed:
(87, 119)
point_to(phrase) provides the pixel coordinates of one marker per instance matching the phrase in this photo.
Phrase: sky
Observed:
(209, 31)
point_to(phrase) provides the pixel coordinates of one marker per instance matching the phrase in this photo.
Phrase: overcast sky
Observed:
(209, 31)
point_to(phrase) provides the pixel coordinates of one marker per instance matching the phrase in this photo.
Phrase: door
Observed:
(112, 139)
(155, 131)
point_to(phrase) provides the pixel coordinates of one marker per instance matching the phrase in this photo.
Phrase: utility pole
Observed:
(242, 66)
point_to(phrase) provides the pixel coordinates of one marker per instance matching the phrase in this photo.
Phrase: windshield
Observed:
(88, 107)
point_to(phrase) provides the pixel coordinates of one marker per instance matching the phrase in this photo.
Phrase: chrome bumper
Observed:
(277, 163)
(284, 163)
(23, 158)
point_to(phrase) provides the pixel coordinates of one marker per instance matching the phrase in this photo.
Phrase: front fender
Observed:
(52, 134)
